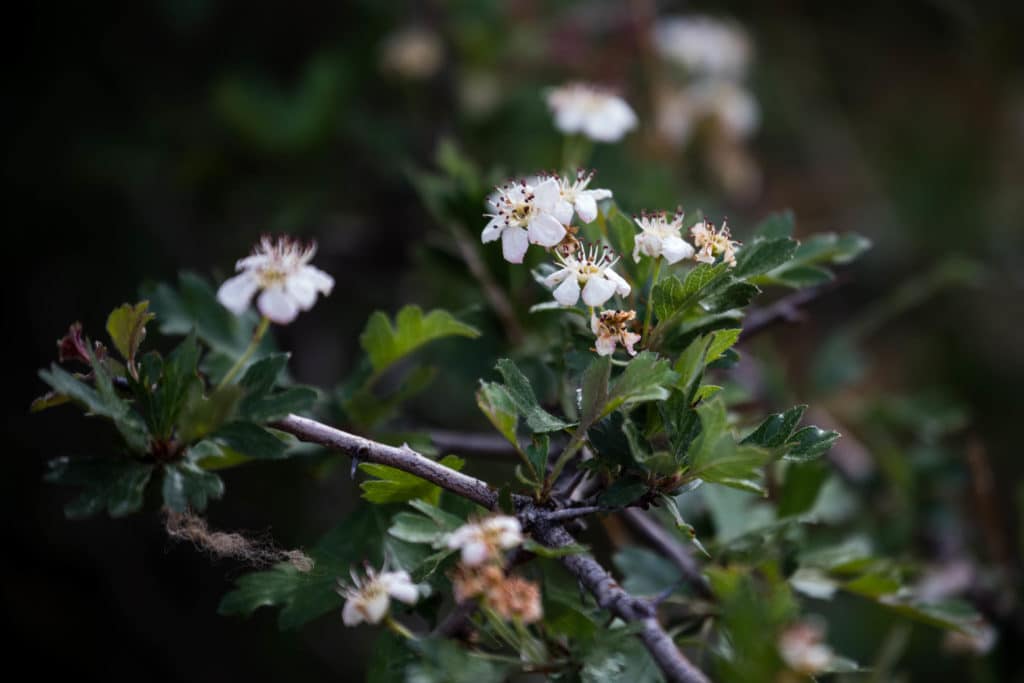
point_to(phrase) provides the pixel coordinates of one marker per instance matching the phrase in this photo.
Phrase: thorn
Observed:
(355, 466)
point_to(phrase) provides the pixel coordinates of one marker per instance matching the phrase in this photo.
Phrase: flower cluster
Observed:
(280, 268)
(525, 214)
(368, 598)
(481, 573)
(660, 237)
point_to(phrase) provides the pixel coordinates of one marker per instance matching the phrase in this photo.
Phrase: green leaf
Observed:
(179, 383)
(622, 492)
(413, 528)
(735, 296)
(715, 457)
(617, 656)
(762, 256)
(495, 402)
(672, 298)
(395, 486)
(553, 553)
(776, 429)
(594, 391)
(102, 401)
(537, 454)
(442, 661)
(251, 440)
(385, 344)
(261, 404)
(810, 443)
(114, 485)
(776, 225)
(721, 341)
(203, 415)
(645, 572)
(186, 485)
(126, 326)
(646, 378)
(519, 391)
(801, 488)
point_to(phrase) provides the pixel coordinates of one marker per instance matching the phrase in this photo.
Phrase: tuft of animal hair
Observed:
(189, 527)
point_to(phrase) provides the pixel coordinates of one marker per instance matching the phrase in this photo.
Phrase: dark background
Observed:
(144, 138)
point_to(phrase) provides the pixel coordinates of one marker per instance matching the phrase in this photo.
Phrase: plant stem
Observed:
(650, 306)
(257, 337)
(398, 629)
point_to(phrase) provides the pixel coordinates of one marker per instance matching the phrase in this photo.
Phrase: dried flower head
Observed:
(596, 113)
(711, 243)
(614, 327)
(516, 599)
(369, 598)
(281, 269)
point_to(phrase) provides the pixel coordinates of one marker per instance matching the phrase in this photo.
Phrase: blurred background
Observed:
(147, 138)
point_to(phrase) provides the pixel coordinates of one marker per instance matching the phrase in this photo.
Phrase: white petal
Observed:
(568, 293)
(375, 608)
(569, 119)
(277, 305)
(556, 277)
(598, 194)
(597, 291)
(302, 290)
(546, 231)
(350, 614)
(236, 293)
(493, 230)
(593, 324)
(323, 282)
(605, 346)
(563, 212)
(401, 587)
(621, 286)
(675, 249)
(546, 195)
(586, 208)
(647, 244)
(628, 340)
(474, 554)
(514, 242)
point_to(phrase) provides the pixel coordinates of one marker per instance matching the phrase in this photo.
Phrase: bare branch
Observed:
(656, 535)
(786, 309)
(402, 458)
(609, 595)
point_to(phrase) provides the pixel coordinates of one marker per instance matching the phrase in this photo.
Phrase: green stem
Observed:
(398, 629)
(573, 447)
(650, 302)
(257, 337)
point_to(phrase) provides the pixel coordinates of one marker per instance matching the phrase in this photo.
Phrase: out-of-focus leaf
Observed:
(442, 661)
(188, 485)
(519, 391)
(391, 485)
(553, 553)
(385, 343)
(801, 487)
(776, 226)
(714, 455)
(810, 443)
(112, 484)
(622, 492)
(251, 440)
(261, 403)
(761, 256)
(537, 454)
(203, 415)
(645, 572)
(126, 326)
(616, 656)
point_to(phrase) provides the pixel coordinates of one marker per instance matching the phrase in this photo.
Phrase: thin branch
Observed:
(609, 595)
(786, 309)
(402, 458)
(669, 546)
(495, 295)
(566, 514)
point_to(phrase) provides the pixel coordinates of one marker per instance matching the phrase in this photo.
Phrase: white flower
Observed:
(660, 237)
(611, 328)
(484, 540)
(524, 214)
(801, 648)
(731, 105)
(592, 272)
(711, 243)
(281, 269)
(413, 52)
(573, 194)
(705, 46)
(369, 598)
(599, 115)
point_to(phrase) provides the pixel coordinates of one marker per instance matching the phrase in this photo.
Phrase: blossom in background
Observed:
(802, 649)
(597, 114)
(524, 214)
(281, 269)
(413, 52)
(611, 328)
(705, 46)
(573, 194)
(484, 540)
(590, 272)
(660, 237)
(711, 243)
(368, 599)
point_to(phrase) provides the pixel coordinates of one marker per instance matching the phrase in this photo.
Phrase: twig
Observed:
(495, 295)
(566, 514)
(786, 309)
(609, 595)
(656, 535)
(402, 458)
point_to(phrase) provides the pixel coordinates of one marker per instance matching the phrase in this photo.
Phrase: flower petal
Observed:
(622, 287)
(374, 606)
(236, 293)
(323, 282)
(514, 242)
(492, 230)
(556, 277)
(474, 553)
(546, 195)
(605, 346)
(675, 249)
(545, 230)
(568, 293)
(597, 291)
(350, 614)
(563, 212)
(586, 207)
(302, 290)
(278, 305)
